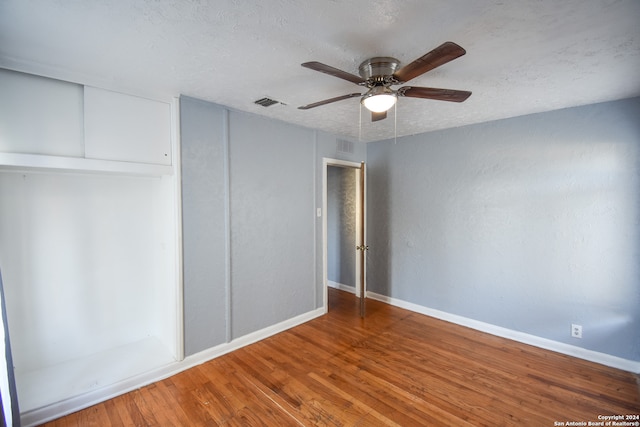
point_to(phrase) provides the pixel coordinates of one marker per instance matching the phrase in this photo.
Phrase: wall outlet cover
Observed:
(576, 330)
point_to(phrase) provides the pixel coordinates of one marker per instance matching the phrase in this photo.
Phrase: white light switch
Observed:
(319, 212)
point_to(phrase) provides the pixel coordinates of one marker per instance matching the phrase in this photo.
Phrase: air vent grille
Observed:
(344, 146)
(266, 102)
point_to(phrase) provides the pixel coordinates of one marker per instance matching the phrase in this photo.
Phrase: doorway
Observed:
(343, 228)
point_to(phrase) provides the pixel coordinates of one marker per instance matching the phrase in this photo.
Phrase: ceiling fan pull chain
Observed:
(395, 124)
(360, 125)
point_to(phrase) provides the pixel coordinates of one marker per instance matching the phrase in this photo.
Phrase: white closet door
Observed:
(127, 128)
(39, 115)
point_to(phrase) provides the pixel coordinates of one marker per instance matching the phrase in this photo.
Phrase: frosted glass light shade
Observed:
(379, 103)
(379, 99)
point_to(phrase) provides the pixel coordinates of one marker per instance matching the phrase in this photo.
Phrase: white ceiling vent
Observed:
(266, 102)
(344, 146)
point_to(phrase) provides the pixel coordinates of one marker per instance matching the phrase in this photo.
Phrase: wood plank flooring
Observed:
(394, 368)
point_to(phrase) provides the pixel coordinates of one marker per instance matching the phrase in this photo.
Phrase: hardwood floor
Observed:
(394, 368)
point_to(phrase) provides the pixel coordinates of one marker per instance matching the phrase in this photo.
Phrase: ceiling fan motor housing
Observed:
(378, 70)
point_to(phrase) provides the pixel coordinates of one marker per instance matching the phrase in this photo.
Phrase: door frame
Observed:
(326, 162)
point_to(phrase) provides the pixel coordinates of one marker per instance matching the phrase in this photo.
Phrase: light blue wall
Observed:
(204, 228)
(530, 223)
(248, 223)
(251, 237)
(272, 222)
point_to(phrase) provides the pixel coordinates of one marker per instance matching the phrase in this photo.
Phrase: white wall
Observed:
(80, 257)
(88, 239)
(40, 116)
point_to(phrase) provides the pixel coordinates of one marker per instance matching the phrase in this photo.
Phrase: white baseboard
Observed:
(217, 351)
(342, 287)
(547, 344)
(68, 406)
(59, 409)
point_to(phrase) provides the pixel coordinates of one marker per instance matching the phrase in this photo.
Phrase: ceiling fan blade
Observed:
(327, 69)
(447, 51)
(378, 116)
(329, 101)
(434, 93)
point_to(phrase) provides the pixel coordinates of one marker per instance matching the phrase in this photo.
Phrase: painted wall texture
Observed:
(204, 227)
(251, 237)
(272, 222)
(530, 223)
(341, 225)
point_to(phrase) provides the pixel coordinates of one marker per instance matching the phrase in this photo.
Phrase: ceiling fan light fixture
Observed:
(379, 99)
(380, 73)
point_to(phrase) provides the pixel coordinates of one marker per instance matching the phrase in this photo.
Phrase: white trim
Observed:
(314, 169)
(59, 409)
(357, 238)
(547, 344)
(39, 163)
(177, 186)
(325, 262)
(219, 350)
(342, 287)
(364, 228)
(344, 163)
(226, 140)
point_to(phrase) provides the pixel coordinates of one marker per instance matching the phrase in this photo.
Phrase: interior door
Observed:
(358, 245)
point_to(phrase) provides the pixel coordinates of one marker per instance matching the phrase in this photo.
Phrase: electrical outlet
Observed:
(576, 330)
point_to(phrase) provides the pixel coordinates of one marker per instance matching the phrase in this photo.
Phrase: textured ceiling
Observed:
(523, 56)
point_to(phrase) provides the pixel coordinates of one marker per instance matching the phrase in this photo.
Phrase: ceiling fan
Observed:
(380, 73)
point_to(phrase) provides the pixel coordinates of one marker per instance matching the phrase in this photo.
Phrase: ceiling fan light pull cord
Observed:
(360, 124)
(395, 123)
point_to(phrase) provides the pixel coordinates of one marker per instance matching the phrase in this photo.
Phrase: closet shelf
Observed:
(37, 162)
